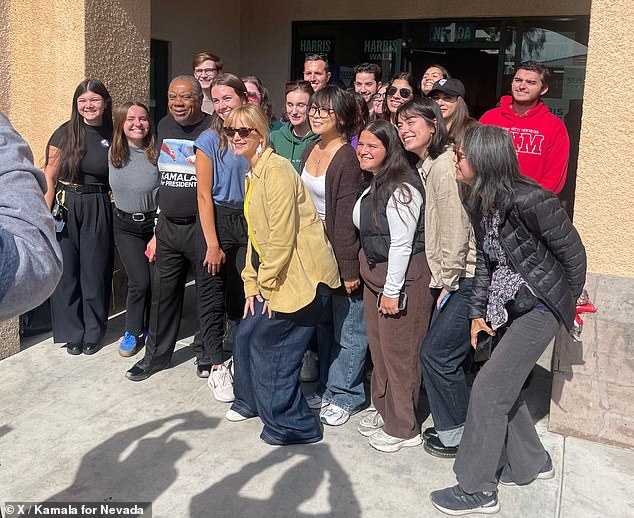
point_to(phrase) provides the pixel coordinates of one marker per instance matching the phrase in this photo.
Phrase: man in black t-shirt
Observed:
(175, 230)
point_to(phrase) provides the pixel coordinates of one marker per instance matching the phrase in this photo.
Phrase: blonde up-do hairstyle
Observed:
(252, 117)
(119, 150)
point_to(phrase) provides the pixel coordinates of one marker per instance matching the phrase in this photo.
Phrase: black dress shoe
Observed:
(74, 348)
(142, 370)
(90, 348)
(429, 432)
(435, 447)
(203, 370)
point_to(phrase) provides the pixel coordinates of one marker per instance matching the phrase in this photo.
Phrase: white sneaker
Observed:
(334, 415)
(315, 402)
(310, 367)
(387, 443)
(220, 382)
(370, 424)
(234, 416)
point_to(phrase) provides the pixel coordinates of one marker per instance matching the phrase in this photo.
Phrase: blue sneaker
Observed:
(130, 344)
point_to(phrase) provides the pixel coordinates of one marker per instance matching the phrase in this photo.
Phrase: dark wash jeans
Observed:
(267, 359)
(445, 347)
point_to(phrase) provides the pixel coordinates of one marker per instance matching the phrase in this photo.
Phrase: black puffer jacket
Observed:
(542, 245)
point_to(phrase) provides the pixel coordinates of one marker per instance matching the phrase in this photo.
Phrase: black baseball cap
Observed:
(449, 86)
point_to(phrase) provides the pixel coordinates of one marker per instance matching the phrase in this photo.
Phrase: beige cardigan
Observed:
(449, 237)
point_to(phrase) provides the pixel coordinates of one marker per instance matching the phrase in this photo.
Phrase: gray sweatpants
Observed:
(499, 429)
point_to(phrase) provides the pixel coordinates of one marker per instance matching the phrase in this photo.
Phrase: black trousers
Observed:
(175, 254)
(80, 303)
(131, 238)
(221, 296)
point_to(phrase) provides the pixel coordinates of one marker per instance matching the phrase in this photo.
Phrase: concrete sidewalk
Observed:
(75, 429)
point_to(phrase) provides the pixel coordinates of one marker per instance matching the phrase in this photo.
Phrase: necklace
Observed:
(326, 151)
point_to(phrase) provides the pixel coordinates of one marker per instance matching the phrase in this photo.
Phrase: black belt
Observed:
(181, 221)
(139, 217)
(83, 189)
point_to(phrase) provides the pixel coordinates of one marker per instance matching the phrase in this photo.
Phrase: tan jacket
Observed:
(296, 255)
(449, 237)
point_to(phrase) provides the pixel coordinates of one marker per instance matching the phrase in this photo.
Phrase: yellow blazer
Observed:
(283, 222)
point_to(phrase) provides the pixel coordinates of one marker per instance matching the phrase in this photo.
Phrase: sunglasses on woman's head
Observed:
(242, 132)
(403, 92)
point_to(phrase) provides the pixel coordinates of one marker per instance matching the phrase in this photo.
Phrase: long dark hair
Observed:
(490, 152)
(430, 111)
(120, 150)
(414, 84)
(344, 106)
(395, 172)
(72, 145)
(216, 121)
(460, 122)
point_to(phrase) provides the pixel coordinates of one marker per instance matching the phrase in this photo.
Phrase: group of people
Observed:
(383, 218)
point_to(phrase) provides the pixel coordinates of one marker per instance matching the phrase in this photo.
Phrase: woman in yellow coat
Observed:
(290, 269)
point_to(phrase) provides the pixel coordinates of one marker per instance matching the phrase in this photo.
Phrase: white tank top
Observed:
(316, 186)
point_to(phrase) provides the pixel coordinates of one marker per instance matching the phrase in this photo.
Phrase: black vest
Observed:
(375, 239)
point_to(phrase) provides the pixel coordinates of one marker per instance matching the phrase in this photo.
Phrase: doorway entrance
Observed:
(476, 68)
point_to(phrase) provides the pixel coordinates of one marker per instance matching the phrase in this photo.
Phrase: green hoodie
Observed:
(286, 144)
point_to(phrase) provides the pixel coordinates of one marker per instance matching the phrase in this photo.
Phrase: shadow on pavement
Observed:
(144, 472)
(295, 486)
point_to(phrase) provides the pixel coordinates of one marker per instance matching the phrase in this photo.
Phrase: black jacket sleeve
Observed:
(544, 216)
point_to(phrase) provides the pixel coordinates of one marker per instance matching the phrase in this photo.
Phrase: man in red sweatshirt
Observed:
(540, 138)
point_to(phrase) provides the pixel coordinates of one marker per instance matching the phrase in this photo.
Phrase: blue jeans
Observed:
(343, 343)
(444, 348)
(267, 359)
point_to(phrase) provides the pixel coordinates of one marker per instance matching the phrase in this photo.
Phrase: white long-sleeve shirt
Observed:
(402, 220)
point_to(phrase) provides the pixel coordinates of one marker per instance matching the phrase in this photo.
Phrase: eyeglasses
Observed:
(460, 156)
(378, 97)
(403, 92)
(242, 132)
(205, 71)
(322, 111)
(253, 95)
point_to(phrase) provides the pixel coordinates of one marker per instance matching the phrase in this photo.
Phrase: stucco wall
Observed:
(265, 48)
(5, 57)
(108, 39)
(118, 47)
(9, 338)
(46, 49)
(604, 211)
(196, 26)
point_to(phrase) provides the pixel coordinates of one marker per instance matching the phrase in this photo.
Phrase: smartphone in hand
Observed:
(402, 300)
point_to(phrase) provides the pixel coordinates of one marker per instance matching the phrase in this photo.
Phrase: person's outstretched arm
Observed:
(30, 258)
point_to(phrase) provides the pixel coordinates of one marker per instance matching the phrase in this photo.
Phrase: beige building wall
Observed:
(593, 381)
(45, 49)
(50, 47)
(265, 49)
(117, 47)
(5, 57)
(195, 26)
(604, 210)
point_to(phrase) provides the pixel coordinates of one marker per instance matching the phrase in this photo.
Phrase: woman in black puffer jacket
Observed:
(531, 267)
